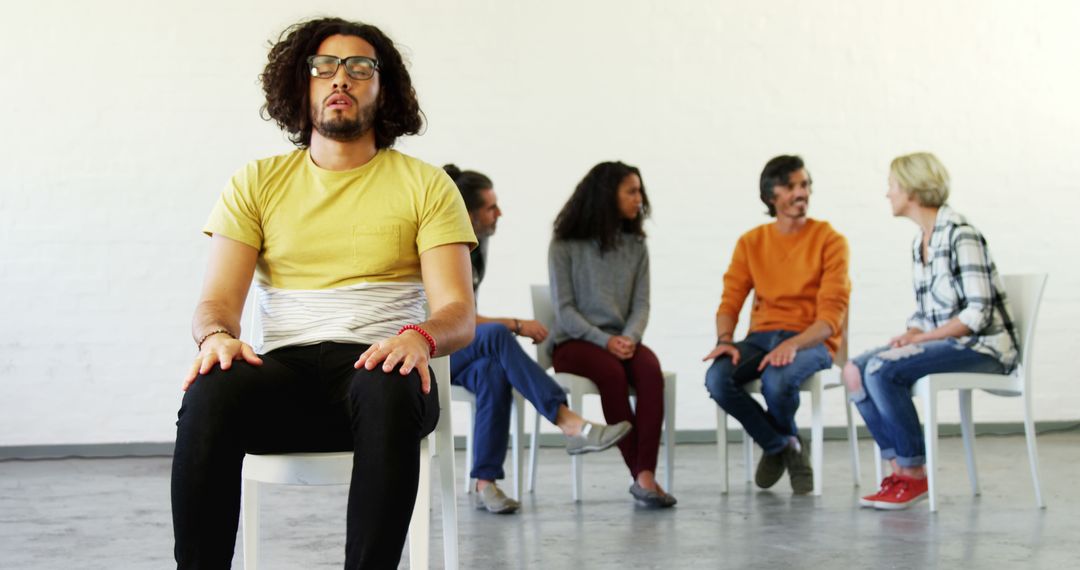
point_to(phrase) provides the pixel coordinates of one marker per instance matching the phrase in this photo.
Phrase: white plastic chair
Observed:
(517, 430)
(578, 387)
(816, 386)
(1024, 293)
(336, 469)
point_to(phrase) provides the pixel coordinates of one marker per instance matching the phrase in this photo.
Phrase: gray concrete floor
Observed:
(114, 513)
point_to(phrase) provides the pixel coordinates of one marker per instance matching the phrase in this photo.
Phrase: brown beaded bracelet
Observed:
(198, 345)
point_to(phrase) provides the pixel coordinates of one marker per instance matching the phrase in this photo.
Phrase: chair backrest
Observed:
(252, 333)
(1024, 295)
(545, 313)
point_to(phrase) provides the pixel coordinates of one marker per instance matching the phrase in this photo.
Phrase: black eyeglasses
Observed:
(356, 67)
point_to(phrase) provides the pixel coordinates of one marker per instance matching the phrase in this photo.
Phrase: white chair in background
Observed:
(336, 469)
(1024, 293)
(578, 387)
(517, 432)
(816, 386)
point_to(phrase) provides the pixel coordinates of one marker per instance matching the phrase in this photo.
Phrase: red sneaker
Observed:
(886, 484)
(906, 491)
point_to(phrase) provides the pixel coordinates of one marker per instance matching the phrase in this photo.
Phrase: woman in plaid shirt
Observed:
(960, 324)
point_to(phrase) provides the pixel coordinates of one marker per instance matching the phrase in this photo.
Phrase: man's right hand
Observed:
(222, 350)
(723, 349)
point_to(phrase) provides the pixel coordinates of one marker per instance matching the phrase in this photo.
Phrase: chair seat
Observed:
(572, 382)
(300, 468)
(335, 468)
(999, 384)
(459, 393)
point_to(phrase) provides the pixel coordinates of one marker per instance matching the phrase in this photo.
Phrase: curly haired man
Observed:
(346, 240)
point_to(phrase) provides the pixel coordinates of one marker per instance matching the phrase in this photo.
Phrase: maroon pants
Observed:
(614, 377)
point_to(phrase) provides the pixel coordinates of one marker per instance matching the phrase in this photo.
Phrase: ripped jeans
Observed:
(885, 398)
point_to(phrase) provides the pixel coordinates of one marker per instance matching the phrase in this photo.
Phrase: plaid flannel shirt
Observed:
(961, 281)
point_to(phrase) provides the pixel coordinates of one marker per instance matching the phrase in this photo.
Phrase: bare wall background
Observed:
(123, 121)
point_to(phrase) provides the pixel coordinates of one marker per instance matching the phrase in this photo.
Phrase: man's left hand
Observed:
(782, 355)
(534, 330)
(409, 349)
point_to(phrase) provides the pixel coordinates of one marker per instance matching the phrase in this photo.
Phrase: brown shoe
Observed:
(769, 469)
(798, 467)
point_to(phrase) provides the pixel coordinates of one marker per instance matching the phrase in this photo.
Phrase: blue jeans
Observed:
(885, 399)
(491, 367)
(779, 385)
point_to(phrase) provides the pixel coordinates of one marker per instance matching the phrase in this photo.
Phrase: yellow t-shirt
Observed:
(339, 251)
(321, 229)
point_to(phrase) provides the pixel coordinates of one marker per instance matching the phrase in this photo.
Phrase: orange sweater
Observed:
(797, 279)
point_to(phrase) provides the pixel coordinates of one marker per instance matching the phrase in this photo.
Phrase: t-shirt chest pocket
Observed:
(376, 249)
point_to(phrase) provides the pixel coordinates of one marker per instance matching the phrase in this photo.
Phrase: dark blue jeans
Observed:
(491, 367)
(779, 385)
(885, 400)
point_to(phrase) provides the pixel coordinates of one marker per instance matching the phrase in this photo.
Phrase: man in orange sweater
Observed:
(798, 270)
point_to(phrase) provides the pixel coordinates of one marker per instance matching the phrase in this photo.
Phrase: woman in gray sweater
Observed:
(599, 272)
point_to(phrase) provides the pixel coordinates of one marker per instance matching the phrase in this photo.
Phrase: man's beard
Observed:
(343, 129)
(484, 233)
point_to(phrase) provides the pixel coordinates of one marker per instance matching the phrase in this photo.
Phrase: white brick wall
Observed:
(124, 119)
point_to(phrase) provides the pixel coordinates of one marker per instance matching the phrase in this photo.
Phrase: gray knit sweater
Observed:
(599, 295)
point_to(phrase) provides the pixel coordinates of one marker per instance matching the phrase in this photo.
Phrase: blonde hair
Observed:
(922, 175)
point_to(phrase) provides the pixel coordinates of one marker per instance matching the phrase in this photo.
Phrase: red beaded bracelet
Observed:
(430, 339)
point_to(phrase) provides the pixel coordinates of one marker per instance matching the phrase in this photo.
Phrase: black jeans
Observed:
(302, 399)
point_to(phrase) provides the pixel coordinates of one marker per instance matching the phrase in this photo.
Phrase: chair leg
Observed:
(930, 436)
(853, 442)
(721, 447)
(576, 465)
(1033, 452)
(967, 430)
(748, 456)
(517, 427)
(879, 464)
(250, 506)
(468, 487)
(449, 498)
(420, 524)
(532, 453)
(817, 435)
(669, 431)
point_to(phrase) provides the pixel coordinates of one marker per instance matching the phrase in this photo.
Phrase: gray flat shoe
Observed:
(652, 499)
(597, 437)
(493, 500)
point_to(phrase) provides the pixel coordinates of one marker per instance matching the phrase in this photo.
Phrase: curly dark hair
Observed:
(285, 81)
(592, 212)
(777, 172)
